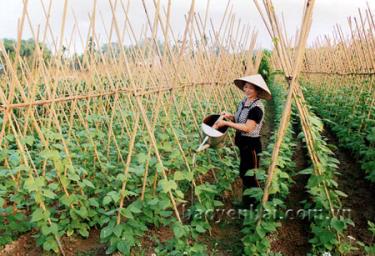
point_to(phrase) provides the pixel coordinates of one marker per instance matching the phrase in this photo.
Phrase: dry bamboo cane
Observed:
(41, 203)
(38, 55)
(286, 113)
(126, 170)
(144, 117)
(192, 114)
(145, 176)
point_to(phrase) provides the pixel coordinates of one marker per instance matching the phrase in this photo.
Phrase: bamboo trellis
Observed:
(291, 62)
(127, 93)
(353, 64)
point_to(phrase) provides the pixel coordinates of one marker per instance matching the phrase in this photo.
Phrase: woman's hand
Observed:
(227, 115)
(219, 124)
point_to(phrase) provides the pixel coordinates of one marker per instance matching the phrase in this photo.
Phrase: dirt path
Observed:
(225, 239)
(292, 237)
(361, 193)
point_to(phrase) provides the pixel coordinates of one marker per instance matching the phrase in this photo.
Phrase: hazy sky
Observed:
(326, 14)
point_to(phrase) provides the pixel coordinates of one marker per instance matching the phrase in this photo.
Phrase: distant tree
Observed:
(111, 49)
(265, 67)
(27, 49)
(91, 46)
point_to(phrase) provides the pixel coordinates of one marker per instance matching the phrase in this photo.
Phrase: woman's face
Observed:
(250, 90)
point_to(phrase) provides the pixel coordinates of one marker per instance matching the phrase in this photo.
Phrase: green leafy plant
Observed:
(346, 111)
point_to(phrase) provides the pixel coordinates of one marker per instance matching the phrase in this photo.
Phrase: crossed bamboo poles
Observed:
(175, 80)
(286, 55)
(353, 62)
(291, 65)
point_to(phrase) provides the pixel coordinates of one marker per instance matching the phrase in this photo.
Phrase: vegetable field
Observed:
(98, 146)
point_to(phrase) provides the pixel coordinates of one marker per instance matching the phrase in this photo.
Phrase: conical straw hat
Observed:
(256, 80)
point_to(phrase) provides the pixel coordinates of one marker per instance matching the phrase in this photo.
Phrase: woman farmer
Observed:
(248, 121)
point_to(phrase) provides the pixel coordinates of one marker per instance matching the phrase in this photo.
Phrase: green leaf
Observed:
(45, 230)
(38, 197)
(269, 226)
(106, 232)
(50, 229)
(34, 184)
(73, 176)
(260, 231)
(88, 183)
(340, 193)
(121, 177)
(38, 215)
(65, 200)
(218, 203)
(179, 230)
(307, 171)
(160, 168)
(178, 175)
(153, 201)
(141, 158)
(94, 202)
(250, 172)
(180, 194)
(50, 154)
(54, 228)
(50, 245)
(371, 227)
(127, 213)
(283, 175)
(254, 192)
(167, 185)
(40, 181)
(48, 193)
(370, 250)
(137, 170)
(327, 237)
(135, 207)
(200, 229)
(115, 195)
(123, 247)
(64, 181)
(84, 232)
(82, 212)
(28, 140)
(166, 214)
(107, 200)
(29, 185)
(117, 230)
(339, 225)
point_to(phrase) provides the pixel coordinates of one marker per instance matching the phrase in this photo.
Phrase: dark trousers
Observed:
(249, 159)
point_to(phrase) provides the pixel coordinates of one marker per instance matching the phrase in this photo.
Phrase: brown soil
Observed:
(162, 234)
(292, 237)
(361, 194)
(73, 246)
(225, 238)
(90, 246)
(24, 245)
